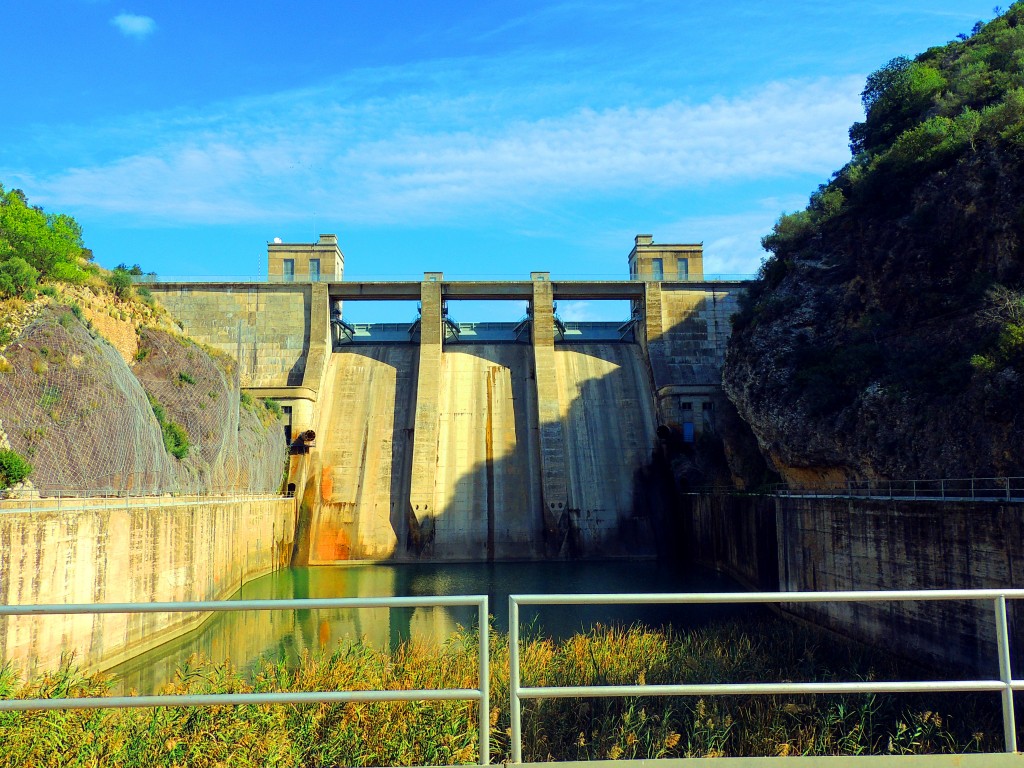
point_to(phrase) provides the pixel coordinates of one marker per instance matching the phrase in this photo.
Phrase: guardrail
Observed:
(78, 501)
(1005, 685)
(947, 489)
(617, 277)
(480, 694)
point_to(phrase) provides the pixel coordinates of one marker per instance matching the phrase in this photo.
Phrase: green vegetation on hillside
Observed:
(175, 437)
(888, 315)
(13, 468)
(37, 245)
(920, 115)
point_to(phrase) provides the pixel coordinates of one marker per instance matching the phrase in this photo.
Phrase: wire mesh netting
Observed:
(71, 405)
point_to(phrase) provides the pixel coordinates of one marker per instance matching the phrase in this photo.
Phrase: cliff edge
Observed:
(885, 335)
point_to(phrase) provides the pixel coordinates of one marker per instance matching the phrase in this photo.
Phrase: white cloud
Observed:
(431, 156)
(131, 25)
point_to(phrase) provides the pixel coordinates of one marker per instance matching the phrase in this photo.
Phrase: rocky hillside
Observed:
(885, 337)
(155, 414)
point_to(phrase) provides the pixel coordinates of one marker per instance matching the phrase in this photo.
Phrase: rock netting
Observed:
(72, 406)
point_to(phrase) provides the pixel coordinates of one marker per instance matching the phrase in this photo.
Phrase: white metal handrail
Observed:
(1006, 685)
(480, 694)
(942, 489)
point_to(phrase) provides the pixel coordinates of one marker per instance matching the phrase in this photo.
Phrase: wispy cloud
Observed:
(132, 25)
(421, 155)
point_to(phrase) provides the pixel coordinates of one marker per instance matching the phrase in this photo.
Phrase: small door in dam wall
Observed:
(608, 410)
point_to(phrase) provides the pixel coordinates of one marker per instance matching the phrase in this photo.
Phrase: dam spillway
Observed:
(537, 441)
(487, 489)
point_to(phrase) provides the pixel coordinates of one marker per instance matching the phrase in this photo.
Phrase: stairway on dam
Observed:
(487, 486)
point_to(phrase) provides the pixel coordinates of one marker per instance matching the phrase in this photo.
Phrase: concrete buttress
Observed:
(550, 430)
(428, 395)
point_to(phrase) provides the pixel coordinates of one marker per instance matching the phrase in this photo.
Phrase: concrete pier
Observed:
(550, 430)
(428, 394)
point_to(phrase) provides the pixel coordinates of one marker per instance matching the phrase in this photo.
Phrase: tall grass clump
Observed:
(445, 733)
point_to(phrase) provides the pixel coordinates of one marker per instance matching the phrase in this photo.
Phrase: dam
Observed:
(473, 442)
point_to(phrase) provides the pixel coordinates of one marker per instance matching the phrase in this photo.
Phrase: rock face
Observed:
(71, 405)
(857, 363)
(885, 338)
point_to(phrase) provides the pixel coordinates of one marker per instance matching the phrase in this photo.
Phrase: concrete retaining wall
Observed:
(105, 551)
(827, 544)
(275, 325)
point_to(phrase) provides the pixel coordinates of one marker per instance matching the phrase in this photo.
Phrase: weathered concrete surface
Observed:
(480, 477)
(550, 425)
(428, 392)
(274, 319)
(607, 413)
(153, 551)
(488, 478)
(862, 544)
(357, 503)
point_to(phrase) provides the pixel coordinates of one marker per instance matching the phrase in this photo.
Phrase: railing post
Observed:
(913, 486)
(484, 628)
(1007, 488)
(1005, 674)
(942, 488)
(513, 679)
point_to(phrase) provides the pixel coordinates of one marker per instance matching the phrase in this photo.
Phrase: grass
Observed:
(446, 732)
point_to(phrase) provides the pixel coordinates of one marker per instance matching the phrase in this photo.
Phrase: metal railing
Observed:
(79, 501)
(299, 279)
(1005, 685)
(480, 694)
(944, 489)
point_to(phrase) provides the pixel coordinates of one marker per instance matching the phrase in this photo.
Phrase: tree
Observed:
(16, 276)
(121, 281)
(43, 240)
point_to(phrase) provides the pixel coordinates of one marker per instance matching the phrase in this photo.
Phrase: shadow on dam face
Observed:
(487, 487)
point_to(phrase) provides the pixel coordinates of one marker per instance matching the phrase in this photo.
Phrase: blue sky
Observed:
(475, 139)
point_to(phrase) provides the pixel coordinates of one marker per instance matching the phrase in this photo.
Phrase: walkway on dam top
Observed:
(460, 289)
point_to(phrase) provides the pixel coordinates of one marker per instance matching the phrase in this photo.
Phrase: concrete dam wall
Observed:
(486, 492)
(535, 442)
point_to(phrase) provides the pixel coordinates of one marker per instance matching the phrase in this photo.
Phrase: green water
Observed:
(242, 637)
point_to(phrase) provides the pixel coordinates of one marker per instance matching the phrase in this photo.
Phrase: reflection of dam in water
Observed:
(244, 636)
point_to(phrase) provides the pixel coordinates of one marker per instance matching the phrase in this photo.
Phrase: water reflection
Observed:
(243, 637)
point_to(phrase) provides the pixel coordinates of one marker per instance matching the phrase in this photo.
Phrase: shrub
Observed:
(13, 468)
(175, 440)
(185, 378)
(48, 290)
(174, 435)
(17, 276)
(146, 295)
(274, 407)
(66, 272)
(121, 281)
